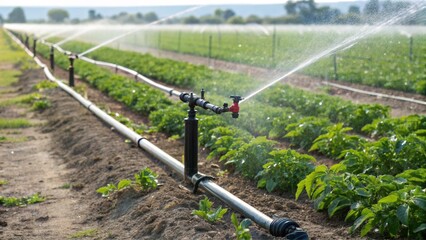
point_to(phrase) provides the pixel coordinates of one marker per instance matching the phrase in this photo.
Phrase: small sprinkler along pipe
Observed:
(27, 39)
(52, 58)
(71, 58)
(34, 47)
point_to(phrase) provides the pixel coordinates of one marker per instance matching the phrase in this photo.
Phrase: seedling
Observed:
(146, 179)
(45, 84)
(2, 181)
(85, 233)
(13, 201)
(241, 228)
(208, 213)
(40, 105)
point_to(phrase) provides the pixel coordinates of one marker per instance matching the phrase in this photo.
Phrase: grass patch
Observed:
(23, 99)
(8, 77)
(4, 139)
(14, 123)
(45, 84)
(65, 186)
(3, 182)
(40, 105)
(23, 201)
(85, 233)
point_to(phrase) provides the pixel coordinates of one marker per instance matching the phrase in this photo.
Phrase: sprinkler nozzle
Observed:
(235, 108)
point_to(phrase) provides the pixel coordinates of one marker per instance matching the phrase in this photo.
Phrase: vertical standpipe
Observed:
(34, 47)
(71, 69)
(52, 58)
(191, 141)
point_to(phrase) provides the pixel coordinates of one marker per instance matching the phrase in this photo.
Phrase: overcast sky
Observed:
(125, 3)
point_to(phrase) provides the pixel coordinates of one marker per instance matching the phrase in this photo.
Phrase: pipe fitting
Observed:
(284, 227)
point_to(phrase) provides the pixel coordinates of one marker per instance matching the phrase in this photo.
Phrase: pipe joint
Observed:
(284, 227)
(197, 178)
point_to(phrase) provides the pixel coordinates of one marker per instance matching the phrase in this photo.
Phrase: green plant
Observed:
(14, 123)
(84, 233)
(305, 131)
(284, 170)
(111, 187)
(401, 213)
(336, 141)
(146, 179)
(45, 84)
(3, 182)
(208, 213)
(13, 201)
(241, 228)
(40, 105)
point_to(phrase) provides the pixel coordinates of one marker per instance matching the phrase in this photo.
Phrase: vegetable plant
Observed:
(242, 230)
(207, 212)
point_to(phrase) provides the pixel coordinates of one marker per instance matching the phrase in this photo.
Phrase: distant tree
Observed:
(57, 15)
(17, 15)
(354, 10)
(209, 19)
(390, 7)
(236, 20)
(372, 7)
(218, 13)
(227, 14)
(253, 19)
(290, 7)
(150, 17)
(1, 19)
(326, 15)
(191, 20)
(75, 21)
(139, 16)
(350, 18)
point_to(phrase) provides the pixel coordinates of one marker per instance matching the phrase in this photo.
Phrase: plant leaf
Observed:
(389, 199)
(402, 213)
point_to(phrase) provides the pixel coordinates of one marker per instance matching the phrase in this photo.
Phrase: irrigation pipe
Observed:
(280, 227)
(374, 93)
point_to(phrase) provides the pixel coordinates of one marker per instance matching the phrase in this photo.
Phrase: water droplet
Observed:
(12, 152)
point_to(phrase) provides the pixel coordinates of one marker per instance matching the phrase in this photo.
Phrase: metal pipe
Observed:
(34, 47)
(278, 227)
(191, 141)
(71, 70)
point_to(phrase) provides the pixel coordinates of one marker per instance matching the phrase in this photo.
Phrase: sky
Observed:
(121, 3)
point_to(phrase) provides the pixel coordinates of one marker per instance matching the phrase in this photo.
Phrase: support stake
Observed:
(71, 58)
(34, 47)
(52, 58)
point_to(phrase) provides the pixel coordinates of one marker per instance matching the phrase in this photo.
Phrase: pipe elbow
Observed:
(284, 227)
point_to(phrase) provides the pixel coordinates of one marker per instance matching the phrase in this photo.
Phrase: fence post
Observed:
(336, 77)
(210, 47)
(274, 40)
(159, 40)
(179, 40)
(411, 48)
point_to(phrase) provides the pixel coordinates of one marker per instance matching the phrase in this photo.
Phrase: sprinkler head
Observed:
(235, 108)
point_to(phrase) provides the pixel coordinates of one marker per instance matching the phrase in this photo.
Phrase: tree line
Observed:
(297, 12)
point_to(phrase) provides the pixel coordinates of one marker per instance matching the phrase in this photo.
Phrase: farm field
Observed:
(369, 62)
(353, 161)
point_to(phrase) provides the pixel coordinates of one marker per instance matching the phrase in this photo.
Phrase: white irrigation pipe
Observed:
(280, 227)
(380, 95)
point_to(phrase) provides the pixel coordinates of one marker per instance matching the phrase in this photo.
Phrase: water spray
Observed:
(137, 30)
(350, 41)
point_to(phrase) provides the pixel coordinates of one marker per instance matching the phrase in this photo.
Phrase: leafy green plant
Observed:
(3, 182)
(250, 157)
(111, 187)
(306, 130)
(208, 213)
(242, 231)
(40, 105)
(45, 84)
(401, 213)
(84, 233)
(14, 123)
(284, 170)
(146, 179)
(13, 201)
(336, 141)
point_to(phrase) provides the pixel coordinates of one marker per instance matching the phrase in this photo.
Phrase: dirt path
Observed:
(29, 166)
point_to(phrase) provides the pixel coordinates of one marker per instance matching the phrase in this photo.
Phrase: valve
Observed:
(235, 108)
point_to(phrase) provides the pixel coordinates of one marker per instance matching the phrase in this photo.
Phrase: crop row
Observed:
(257, 157)
(387, 60)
